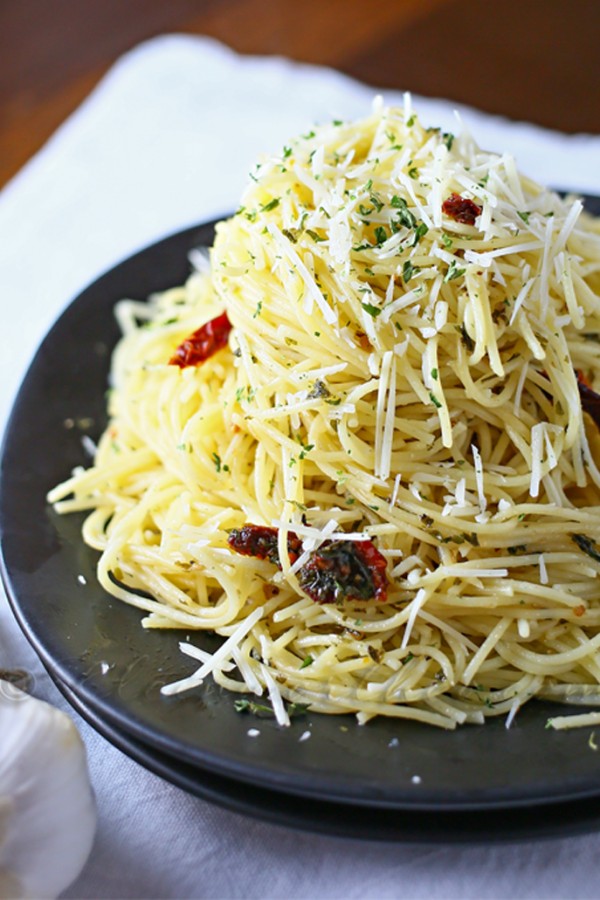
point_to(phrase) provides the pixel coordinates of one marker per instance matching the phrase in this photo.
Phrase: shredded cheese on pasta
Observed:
(397, 373)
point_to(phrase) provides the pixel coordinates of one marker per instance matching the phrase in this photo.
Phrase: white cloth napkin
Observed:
(165, 141)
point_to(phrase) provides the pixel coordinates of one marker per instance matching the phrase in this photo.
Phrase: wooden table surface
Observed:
(527, 59)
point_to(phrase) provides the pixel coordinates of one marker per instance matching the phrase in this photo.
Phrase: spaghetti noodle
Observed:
(405, 320)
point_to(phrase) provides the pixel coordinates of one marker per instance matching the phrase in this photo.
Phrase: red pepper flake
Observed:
(203, 343)
(579, 610)
(461, 209)
(336, 571)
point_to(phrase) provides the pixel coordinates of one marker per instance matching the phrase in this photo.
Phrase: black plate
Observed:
(309, 814)
(96, 646)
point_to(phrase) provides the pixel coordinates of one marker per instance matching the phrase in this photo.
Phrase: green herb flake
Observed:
(408, 271)
(447, 240)
(420, 231)
(404, 216)
(217, 461)
(524, 216)
(258, 709)
(453, 271)
(306, 448)
(263, 711)
(413, 172)
(434, 400)
(434, 374)
(373, 311)
(377, 203)
(313, 234)
(380, 235)
(272, 204)
(448, 139)
(307, 661)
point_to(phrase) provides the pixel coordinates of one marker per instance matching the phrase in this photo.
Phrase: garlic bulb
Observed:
(47, 811)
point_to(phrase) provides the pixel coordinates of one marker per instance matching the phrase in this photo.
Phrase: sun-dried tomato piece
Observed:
(461, 209)
(336, 571)
(590, 400)
(261, 541)
(203, 343)
(344, 570)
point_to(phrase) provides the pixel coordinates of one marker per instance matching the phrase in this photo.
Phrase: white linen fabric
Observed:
(165, 141)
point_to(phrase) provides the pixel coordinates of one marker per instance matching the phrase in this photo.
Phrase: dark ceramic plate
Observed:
(96, 647)
(365, 823)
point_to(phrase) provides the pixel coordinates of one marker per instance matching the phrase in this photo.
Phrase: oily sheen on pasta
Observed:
(411, 326)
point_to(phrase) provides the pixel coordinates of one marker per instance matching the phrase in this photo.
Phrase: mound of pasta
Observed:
(359, 443)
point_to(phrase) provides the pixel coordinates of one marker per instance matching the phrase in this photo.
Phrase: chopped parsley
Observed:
(272, 204)
(306, 448)
(263, 710)
(420, 231)
(453, 271)
(377, 203)
(404, 215)
(373, 311)
(380, 235)
(219, 465)
(408, 270)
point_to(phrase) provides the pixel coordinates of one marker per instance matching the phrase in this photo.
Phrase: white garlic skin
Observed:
(47, 810)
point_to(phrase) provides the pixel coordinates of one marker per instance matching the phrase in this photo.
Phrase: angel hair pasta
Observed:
(358, 445)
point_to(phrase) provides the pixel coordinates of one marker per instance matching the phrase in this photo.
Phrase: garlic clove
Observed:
(47, 810)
